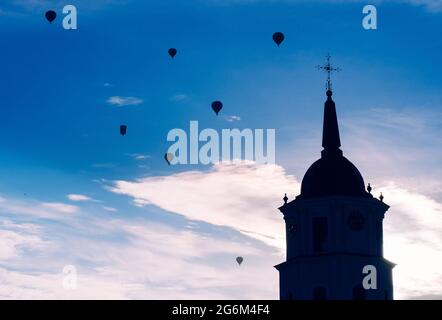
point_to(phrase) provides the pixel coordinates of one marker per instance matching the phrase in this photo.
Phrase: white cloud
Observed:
(241, 195)
(41, 209)
(124, 101)
(17, 237)
(110, 209)
(12, 242)
(154, 262)
(233, 118)
(60, 207)
(79, 197)
(413, 240)
(140, 157)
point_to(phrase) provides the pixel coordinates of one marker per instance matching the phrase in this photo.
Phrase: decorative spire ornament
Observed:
(328, 68)
(285, 199)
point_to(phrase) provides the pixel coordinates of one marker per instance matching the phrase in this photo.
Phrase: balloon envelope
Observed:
(50, 15)
(239, 260)
(278, 37)
(172, 52)
(217, 106)
(123, 129)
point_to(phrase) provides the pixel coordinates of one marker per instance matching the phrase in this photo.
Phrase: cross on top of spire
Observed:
(328, 68)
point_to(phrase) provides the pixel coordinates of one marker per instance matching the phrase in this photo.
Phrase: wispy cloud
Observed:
(110, 209)
(60, 207)
(179, 97)
(139, 156)
(413, 240)
(78, 197)
(232, 118)
(14, 238)
(124, 101)
(240, 195)
(130, 260)
(35, 208)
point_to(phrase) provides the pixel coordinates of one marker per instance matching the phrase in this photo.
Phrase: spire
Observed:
(330, 133)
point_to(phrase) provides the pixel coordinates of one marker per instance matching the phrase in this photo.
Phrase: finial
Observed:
(328, 68)
(285, 199)
(381, 198)
(330, 131)
(369, 188)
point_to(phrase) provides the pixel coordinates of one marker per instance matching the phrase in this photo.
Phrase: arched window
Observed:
(319, 293)
(359, 293)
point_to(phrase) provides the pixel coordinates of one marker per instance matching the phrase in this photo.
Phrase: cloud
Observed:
(179, 97)
(14, 238)
(397, 146)
(124, 101)
(60, 207)
(232, 118)
(140, 157)
(110, 209)
(413, 240)
(150, 260)
(79, 197)
(241, 195)
(41, 209)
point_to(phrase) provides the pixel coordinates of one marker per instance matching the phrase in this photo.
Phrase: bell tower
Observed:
(334, 229)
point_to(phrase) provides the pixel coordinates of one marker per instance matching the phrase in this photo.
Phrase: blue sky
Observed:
(74, 192)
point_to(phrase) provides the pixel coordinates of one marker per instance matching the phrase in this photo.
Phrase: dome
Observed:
(334, 175)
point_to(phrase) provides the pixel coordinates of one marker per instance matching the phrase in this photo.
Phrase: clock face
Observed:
(356, 221)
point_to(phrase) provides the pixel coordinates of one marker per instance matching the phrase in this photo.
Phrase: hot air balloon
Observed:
(123, 129)
(278, 37)
(239, 260)
(50, 15)
(168, 157)
(217, 106)
(172, 52)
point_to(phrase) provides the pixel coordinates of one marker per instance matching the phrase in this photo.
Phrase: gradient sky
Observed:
(74, 192)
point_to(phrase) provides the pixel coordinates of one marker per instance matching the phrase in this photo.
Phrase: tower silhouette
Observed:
(334, 229)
